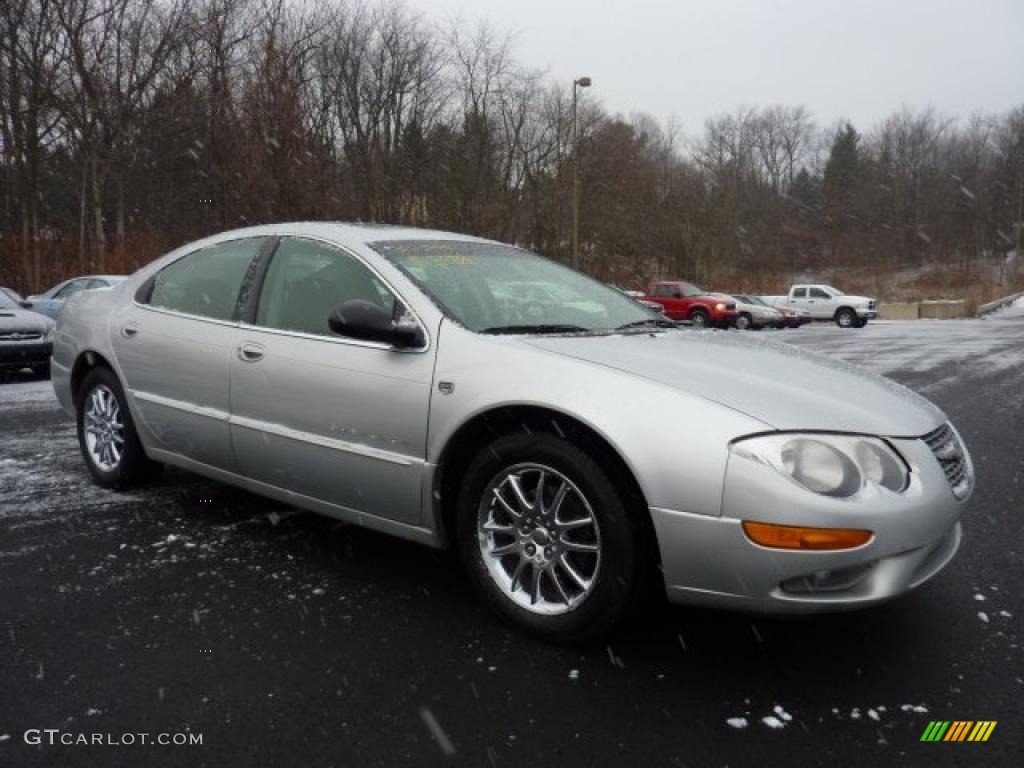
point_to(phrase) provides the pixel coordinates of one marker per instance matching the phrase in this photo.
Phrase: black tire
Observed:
(624, 562)
(744, 322)
(846, 318)
(862, 323)
(134, 467)
(700, 318)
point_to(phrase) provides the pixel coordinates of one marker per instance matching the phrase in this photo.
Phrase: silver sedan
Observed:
(576, 453)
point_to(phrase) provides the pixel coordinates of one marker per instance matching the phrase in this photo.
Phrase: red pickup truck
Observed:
(686, 301)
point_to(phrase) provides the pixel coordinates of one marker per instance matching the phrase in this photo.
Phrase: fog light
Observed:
(827, 581)
(799, 537)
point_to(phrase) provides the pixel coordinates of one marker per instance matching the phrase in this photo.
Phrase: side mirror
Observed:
(364, 320)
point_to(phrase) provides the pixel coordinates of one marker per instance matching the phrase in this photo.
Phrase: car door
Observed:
(798, 298)
(819, 302)
(671, 297)
(335, 419)
(174, 344)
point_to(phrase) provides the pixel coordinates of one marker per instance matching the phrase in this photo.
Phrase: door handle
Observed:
(128, 330)
(248, 352)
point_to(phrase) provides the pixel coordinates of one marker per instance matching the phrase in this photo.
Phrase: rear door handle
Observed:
(250, 352)
(128, 330)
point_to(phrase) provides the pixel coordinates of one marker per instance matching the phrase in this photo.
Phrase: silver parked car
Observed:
(50, 302)
(753, 315)
(371, 374)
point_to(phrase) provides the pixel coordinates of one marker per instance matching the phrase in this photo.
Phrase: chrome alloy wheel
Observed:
(539, 539)
(104, 429)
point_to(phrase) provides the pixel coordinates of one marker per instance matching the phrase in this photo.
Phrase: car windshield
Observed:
(689, 289)
(491, 288)
(834, 291)
(6, 302)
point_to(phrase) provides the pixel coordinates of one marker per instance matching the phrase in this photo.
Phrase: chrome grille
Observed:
(950, 452)
(20, 336)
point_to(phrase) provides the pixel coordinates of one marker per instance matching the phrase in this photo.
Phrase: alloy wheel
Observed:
(539, 539)
(104, 428)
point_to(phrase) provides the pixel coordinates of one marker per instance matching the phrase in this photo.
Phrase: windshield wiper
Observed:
(659, 322)
(539, 328)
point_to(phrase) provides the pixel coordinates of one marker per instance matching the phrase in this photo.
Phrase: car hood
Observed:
(853, 299)
(785, 387)
(22, 320)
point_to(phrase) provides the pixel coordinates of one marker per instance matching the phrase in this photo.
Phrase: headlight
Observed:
(720, 307)
(840, 466)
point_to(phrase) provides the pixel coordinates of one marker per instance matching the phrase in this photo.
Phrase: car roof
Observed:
(350, 231)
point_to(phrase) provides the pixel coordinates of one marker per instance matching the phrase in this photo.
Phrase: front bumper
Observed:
(710, 561)
(19, 354)
(724, 319)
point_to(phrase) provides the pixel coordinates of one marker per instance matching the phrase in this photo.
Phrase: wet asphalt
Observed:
(288, 639)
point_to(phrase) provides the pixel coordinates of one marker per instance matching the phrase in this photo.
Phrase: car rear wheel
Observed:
(106, 434)
(846, 318)
(700, 318)
(743, 322)
(547, 539)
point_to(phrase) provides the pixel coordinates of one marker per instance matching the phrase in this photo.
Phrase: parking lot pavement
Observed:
(288, 639)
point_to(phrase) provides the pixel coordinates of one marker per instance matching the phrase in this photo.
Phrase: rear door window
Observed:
(206, 282)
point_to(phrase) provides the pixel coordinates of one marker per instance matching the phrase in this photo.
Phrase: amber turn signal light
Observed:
(799, 537)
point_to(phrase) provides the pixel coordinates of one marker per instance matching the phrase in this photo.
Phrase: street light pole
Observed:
(583, 82)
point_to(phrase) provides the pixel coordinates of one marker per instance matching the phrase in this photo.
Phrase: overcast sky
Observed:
(860, 59)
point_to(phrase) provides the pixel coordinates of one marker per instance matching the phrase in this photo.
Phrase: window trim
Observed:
(249, 307)
(248, 318)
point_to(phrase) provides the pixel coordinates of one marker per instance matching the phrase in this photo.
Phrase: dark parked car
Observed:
(26, 338)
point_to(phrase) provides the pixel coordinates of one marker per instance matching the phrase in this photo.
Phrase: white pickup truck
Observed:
(827, 303)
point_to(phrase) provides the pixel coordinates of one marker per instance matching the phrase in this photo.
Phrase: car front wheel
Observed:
(846, 318)
(106, 434)
(700, 318)
(547, 539)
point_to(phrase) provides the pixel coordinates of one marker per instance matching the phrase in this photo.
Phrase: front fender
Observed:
(675, 444)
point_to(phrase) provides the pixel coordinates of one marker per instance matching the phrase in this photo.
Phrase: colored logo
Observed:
(958, 730)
